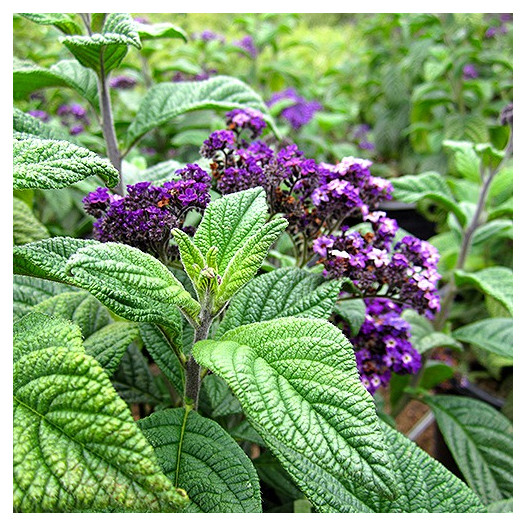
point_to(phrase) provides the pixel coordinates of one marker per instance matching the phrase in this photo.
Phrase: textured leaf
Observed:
(467, 162)
(26, 227)
(28, 78)
(104, 52)
(493, 334)
(199, 455)
(167, 100)
(109, 344)
(429, 185)
(191, 258)
(160, 30)
(160, 349)
(229, 221)
(423, 335)
(131, 283)
(496, 282)
(28, 292)
(245, 432)
(63, 21)
(479, 437)
(25, 123)
(299, 387)
(278, 294)
(47, 163)
(79, 307)
(217, 398)
(134, 380)
(272, 473)
(247, 260)
(76, 445)
(47, 258)
(353, 313)
(498, 228)
(501, 506)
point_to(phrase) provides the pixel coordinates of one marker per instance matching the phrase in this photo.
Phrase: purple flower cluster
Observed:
(247, 44)
(122, 82)
(40, 114)
(74, 117)
(185, 77)
(145, 217)
(300, 111)
(208, 36)
(502, 28)
(383, 345)
(246, 119)
(405, 272)
(361, 136)
(469, 71)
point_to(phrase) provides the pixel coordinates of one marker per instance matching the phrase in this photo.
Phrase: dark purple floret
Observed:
(208, 36)
(491, 32)
(221, 140)
(247, 43)
(122, 82)
(469, 71)
(300, 111)
(98, 201)
(40, 114)
(246, 119)
(76, 129)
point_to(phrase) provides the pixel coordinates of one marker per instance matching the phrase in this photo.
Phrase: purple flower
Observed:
(76, 129)
(122, 82)
(246, 119)
(220, 140)
(208, 36)
(300, 112)
(469, 71)
(247, 43)
(141, 20)
(39, 114)
(491, 32)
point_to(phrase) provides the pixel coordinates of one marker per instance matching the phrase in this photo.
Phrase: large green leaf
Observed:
(278, 294)
(167, 100)
(199, 455)
(104, 51)
(47, 258)
(23, 123)
(63, 21)
(131, 283)
(496, 229)
(496, 282)
(109, 344)
(493, 334)
(467, 162)
(47, 163)
(297, 381)
(28, 78)
(76, 446)
(163, 353)
(479, 437)
(229, 221)
(160, 30)
(501, 506)
(429, 185)
(353, 313)
(26, 227)
(247, 260)
(79, 307)
(29, 291)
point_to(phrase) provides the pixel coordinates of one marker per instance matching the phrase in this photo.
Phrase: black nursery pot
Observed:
(409, 219)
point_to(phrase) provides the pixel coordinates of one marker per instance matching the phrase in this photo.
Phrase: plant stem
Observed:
(108, 128)
(193, 369)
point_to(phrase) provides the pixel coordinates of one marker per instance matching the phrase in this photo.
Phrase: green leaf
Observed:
(28, 77)
(245, 432)
(199, 455)
(479, 437)
(217, 398)
(109, 344)
(496, 229)
(501, 506)
(160, 349)
(26, 227)
(279, 294)
(299, 387)
(423, 335)
(167, 100)
(28, 292)
(104, 51)
(76, 446)
(131, 283)
(134, 380)
(25, 123)
(429, 185)
(63, 21)
(496, 282)
(160, 30)
(247, 261)
(47, 163)
(494, 335)
(191, 258)
(467, 162)
(47, 258)
(79, 307)
(353, 313)
(229, 221)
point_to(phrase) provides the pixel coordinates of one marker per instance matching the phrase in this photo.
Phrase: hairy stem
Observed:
(108, 128)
